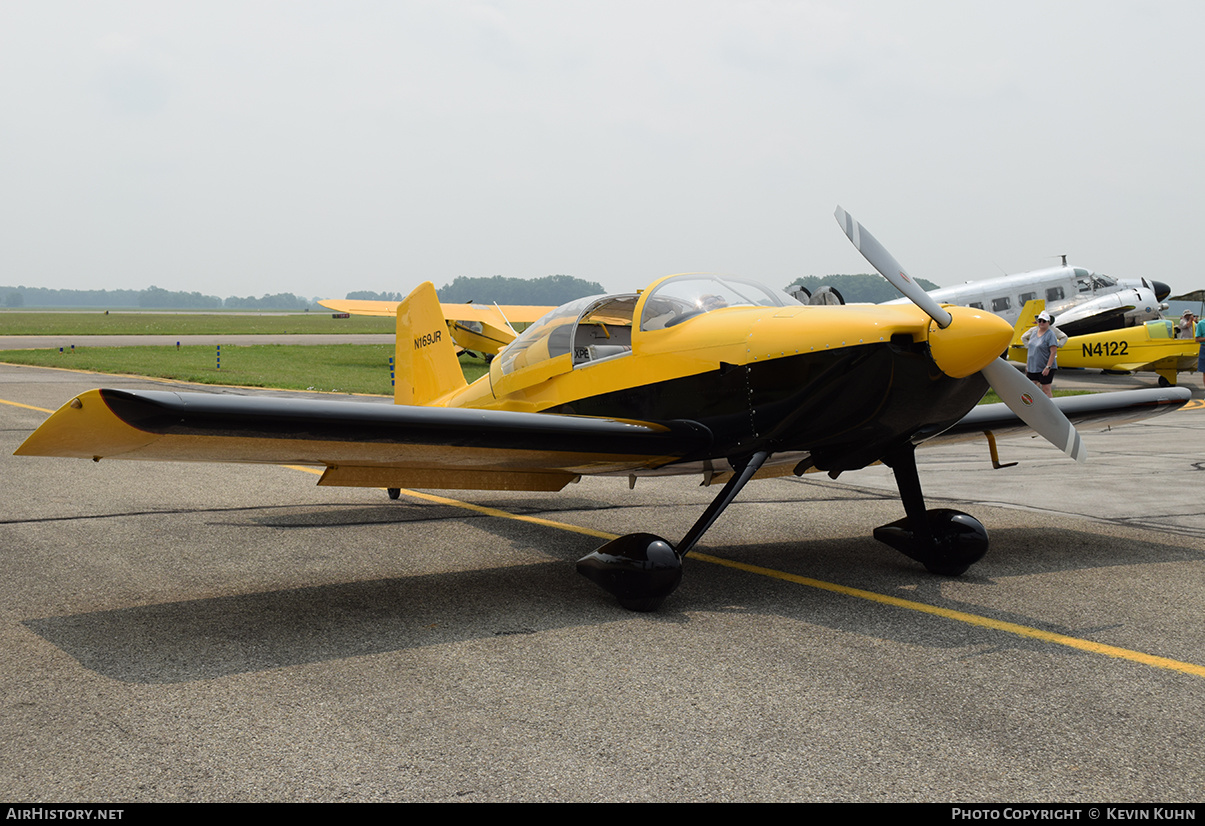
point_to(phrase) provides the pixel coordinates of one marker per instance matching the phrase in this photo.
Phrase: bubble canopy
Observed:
(681, 297)
(600, 326)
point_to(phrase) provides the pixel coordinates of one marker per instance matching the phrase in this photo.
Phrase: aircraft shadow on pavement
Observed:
(343, 515)
(208, 638)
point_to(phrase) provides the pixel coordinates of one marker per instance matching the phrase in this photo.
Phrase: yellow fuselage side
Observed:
(734, 336)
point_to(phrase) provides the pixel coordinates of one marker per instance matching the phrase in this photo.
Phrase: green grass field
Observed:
(343, 368)
(95, 323)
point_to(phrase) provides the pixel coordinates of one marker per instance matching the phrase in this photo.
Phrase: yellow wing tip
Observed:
(83, 428)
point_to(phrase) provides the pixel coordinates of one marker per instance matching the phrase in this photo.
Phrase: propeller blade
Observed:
(889, 268)
(1032, 407)
(1029, 403)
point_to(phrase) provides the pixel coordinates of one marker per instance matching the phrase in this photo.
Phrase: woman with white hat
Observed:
(1043, 354)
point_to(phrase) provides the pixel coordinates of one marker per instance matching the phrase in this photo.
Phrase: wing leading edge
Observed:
(361, 444)
(1122, 407)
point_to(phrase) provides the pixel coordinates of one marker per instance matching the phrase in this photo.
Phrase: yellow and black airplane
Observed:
(709, 375)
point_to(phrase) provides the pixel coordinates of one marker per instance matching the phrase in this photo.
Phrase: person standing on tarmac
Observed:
(1043, 346)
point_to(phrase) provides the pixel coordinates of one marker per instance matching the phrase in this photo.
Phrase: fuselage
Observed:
(1147, 347)
(1070, 293)
(830, 386)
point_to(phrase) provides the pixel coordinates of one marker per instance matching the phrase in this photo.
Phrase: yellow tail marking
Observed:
(425, 364)
(1025, 320)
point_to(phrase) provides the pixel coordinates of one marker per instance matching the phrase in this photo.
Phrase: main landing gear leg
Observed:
(945, 541)
(641, 569)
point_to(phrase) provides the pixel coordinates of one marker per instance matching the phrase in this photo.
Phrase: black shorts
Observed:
(1040, 379)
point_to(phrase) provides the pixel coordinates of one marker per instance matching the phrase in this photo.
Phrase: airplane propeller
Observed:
(1031, 405)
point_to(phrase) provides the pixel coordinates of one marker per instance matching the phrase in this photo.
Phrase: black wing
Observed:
(362, 444)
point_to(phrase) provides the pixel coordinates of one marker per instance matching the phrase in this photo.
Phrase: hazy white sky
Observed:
(246, 147)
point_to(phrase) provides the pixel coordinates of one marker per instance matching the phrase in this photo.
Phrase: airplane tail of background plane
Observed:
(425, 363)
(1025, 320)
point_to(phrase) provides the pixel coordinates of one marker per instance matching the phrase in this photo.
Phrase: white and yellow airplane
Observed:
(475, 328)
(713, 376)
(1146, 348)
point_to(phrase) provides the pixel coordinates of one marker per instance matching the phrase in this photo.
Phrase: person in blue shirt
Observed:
(1043, 352)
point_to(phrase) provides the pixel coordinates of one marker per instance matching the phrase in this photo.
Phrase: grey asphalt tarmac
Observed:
(176, 632)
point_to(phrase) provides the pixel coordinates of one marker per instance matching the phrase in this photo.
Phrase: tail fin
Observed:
(426, 366)
(1016, 350)
(1025, 320)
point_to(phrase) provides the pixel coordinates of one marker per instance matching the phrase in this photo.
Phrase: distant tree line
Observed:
(858, 289)
(368, 295)
(279, 301)
(559, 289)
(497, 289)
(150, 298)
(551, 289)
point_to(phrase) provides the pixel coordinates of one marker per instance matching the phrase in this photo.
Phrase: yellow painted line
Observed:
(970, 619)
(871, 596)
(304, 469)
(26, 406)
(482, 509)
(535, 520)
